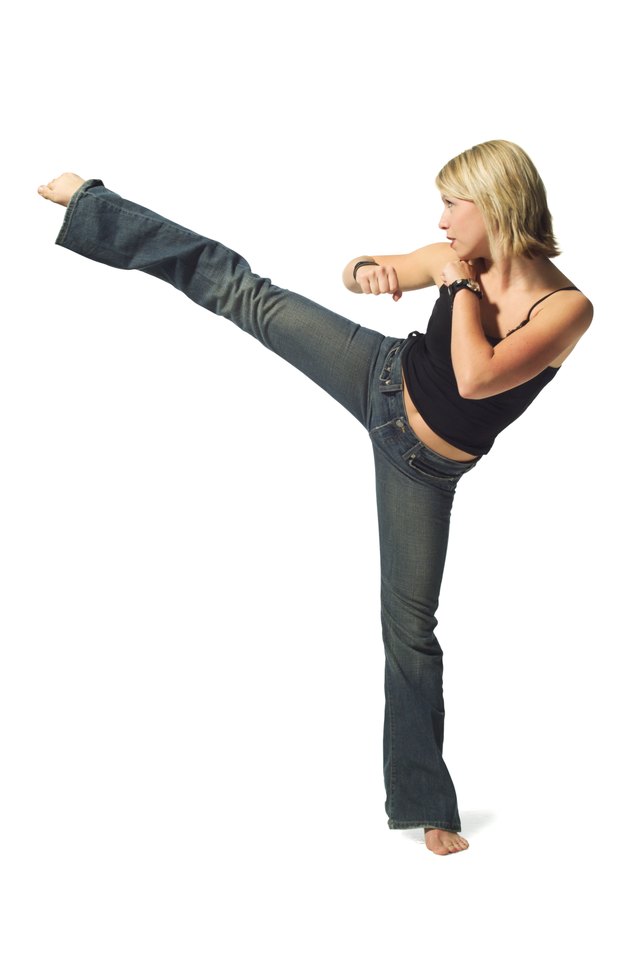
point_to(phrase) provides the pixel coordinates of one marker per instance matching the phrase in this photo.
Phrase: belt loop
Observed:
(385, 373)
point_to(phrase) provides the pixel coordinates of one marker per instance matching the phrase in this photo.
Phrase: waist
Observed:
(427, 436)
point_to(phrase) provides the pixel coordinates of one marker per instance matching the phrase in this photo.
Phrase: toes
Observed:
(455, 846)
(447, 842)
(46, 189)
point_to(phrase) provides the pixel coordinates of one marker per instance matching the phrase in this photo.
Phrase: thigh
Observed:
(413, 520)
(339, 355)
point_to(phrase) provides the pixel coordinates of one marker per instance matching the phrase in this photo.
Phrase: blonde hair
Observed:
(500, 178)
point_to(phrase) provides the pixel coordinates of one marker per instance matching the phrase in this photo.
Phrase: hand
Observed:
(378, 279)
(458, 270)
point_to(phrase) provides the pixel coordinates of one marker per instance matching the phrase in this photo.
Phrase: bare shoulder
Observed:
(572, 305)
(421, 267)
(567, 316)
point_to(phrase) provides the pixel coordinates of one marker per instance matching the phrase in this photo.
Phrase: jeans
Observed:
(415, 486)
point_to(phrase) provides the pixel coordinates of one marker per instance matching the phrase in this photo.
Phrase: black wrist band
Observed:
(364, 263)
(464, 284)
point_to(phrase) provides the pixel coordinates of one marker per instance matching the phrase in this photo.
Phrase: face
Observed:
(465, 228)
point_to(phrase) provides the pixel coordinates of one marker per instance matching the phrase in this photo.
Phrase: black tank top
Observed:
(470, 425)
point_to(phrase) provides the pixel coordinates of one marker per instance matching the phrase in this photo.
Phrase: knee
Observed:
(409, 624)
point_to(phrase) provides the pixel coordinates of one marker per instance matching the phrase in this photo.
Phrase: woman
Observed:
(504, 322)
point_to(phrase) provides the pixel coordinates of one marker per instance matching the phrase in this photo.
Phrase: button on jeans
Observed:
(415, 486)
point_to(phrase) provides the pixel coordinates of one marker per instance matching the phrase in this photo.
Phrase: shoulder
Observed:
(438, 255)
(563, 318)
(569, 307)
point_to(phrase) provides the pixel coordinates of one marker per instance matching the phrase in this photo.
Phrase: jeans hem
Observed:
(66, 223)
(412, 824)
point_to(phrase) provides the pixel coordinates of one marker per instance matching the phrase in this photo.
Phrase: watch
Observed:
(472, 285)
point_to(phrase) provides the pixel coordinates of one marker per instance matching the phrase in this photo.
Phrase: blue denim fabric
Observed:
(415, 486)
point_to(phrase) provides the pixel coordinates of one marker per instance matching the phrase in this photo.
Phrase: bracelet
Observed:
(364, 263)
(463, 284)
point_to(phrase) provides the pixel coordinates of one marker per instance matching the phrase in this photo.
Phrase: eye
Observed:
(448, 203)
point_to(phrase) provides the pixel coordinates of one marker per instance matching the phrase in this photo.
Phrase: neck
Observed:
(513, 272)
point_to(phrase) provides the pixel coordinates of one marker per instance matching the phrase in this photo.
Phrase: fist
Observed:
(458, 270)
(378, 279)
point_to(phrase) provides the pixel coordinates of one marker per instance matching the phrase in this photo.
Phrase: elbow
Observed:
(348, 278)
(467, 389)
(475, 392)
(476, 383)
(349, 282)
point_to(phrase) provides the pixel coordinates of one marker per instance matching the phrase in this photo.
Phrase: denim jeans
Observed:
(415, 486)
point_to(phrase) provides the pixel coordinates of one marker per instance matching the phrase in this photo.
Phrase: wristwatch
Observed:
(472, 285)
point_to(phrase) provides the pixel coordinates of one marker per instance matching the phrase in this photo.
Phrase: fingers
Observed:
(378, 280)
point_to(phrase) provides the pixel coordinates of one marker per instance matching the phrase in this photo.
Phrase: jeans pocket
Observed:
(430, 464)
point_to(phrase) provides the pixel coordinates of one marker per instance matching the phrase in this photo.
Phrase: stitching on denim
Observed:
(143, 216)
(70, 210)
(445, 824)
(385, 374)
(178, 229)
(392, 754)
(411, 458)
(381, 426)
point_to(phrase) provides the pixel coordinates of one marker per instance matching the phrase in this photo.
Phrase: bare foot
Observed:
(444, 841)
(61, 189)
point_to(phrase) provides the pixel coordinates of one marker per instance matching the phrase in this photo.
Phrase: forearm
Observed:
(471, 352)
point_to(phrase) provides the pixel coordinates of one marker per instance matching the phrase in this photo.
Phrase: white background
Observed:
(191, 686)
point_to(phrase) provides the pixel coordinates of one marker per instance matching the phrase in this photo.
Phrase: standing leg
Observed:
(415, 488)
(334, 352)
(414, 531)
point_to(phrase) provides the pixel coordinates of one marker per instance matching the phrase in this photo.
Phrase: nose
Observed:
(444, 222)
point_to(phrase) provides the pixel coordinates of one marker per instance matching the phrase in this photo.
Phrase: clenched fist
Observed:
(378, 279)
(458, 270)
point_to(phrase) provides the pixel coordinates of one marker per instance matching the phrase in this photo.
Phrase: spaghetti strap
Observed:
(548, 295)
(528, 317)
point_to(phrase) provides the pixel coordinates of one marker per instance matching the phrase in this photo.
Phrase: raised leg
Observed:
(334, 352)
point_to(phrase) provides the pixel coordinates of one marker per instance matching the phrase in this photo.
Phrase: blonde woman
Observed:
(433, 403)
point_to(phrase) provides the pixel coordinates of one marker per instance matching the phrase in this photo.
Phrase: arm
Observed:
(484, 371)
(395, 273)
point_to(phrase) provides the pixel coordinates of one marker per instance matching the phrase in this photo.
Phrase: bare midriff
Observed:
(425, 434)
